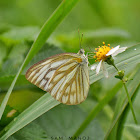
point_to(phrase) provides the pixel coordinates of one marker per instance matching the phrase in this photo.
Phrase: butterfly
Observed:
(65, 76)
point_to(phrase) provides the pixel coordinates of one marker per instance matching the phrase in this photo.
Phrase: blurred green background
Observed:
(115, 22)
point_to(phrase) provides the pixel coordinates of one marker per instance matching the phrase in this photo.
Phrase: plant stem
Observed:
(115, 67)
(130, 103)
(129, 99)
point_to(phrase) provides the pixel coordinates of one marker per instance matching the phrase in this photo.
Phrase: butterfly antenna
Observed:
(79, 38)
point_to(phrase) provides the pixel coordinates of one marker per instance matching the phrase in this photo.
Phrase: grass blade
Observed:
(50, 25)
(97, 109)
(42, 105)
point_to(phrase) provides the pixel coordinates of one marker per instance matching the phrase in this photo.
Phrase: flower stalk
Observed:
(124, 80)
(130, 103)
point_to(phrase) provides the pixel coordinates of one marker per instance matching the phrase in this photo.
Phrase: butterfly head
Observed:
(81, 52)
(83, 58)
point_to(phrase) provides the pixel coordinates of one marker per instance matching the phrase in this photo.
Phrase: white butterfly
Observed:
(65, 76)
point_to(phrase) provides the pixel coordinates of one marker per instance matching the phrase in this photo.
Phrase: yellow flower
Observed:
(104, 53)
(101, 52)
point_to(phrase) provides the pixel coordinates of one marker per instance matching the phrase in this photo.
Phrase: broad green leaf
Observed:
(57, 123)
(56, 18)
(31, 132)
(134, 127)
(11, 64)
(19, 34)
(9, 114)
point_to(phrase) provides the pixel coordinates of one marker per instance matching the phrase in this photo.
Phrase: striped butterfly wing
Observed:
(63, 76)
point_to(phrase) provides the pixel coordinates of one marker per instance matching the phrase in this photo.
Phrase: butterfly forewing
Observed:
(63, 76)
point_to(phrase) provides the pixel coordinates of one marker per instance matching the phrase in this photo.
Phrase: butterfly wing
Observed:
(62, 76)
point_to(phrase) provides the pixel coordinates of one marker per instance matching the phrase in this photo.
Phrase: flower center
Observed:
(101, 52)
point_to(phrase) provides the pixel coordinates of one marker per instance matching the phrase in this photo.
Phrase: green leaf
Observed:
(134, 127)
(19, 34)
(57, 122)
(9, 114)
(11, 64)
(44, 34)
(32, 132)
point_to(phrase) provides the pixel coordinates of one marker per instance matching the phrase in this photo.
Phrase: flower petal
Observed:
(98, 67)
(120, 50)
(93, 67)
(105, 72)
(113, 50)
